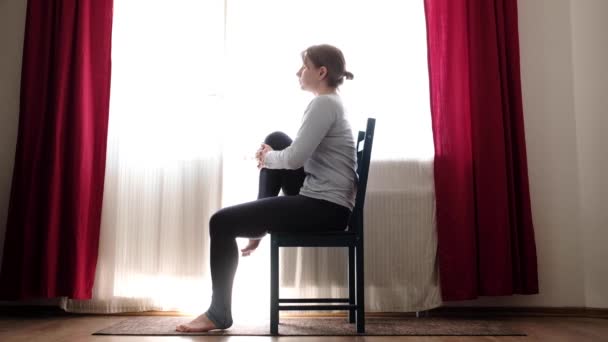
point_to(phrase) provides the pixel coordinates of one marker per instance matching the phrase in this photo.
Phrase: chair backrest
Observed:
(364, 155)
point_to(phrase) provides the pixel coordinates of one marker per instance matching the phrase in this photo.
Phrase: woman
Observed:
(317, 172)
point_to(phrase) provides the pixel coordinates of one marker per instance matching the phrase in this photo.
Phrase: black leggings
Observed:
(270, 213)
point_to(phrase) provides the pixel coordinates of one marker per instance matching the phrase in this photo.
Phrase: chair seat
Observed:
(315, 239)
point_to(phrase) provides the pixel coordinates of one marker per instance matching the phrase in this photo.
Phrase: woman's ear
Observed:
(322, 72)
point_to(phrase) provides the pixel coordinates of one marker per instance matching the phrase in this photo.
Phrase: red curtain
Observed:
(484, 222)
(55, 205)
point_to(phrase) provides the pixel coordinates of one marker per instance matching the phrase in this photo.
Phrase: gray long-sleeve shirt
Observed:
(325, 147)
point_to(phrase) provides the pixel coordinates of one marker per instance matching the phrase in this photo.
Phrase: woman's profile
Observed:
(316, 171)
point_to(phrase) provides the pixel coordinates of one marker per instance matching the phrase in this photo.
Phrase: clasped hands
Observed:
(260, 154)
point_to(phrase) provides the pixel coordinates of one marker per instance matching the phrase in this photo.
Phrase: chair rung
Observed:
(313, 300)
(316, 307)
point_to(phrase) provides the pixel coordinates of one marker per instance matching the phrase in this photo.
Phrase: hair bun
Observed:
(349, 75)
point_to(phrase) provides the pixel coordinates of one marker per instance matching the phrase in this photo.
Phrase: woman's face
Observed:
(310, 76)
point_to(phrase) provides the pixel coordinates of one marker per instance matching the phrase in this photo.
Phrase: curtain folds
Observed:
(56, 198)
(484, 222)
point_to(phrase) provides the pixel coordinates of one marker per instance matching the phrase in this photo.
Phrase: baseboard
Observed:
(522, 311)
(31, 310)
(470, 311)
(478, 312)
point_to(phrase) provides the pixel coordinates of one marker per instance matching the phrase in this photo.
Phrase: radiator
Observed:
(400, 246)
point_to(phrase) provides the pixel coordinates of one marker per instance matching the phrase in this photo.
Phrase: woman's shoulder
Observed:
(327, 102)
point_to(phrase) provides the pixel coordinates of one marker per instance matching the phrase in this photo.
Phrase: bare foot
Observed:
(199, 324)
(251, 246)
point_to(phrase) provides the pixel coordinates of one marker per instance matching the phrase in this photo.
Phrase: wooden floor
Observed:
(80, 328)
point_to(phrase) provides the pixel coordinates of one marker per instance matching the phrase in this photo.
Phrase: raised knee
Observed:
(215, 224)
(278, 140)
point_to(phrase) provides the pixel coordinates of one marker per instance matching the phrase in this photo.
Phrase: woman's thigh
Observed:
(278, 214)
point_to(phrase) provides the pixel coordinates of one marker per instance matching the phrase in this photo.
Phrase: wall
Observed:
(590, 61)
(12, 26)
(546, 70)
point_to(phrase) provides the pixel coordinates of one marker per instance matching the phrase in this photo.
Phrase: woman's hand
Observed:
(253, 244)
(260, 155)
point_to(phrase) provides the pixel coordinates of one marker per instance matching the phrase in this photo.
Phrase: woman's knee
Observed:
(217, 224)
(278, 140)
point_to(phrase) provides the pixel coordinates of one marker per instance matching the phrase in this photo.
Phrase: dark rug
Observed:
(165, 326)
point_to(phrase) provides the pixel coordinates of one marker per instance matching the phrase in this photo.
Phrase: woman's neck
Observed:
(325, 90)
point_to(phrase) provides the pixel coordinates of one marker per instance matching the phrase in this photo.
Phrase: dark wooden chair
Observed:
(351, 237)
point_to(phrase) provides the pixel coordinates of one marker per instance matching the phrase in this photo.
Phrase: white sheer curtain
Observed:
(164, 170)
(196, 86)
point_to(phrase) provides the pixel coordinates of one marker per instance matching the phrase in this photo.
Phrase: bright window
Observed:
(198, 84)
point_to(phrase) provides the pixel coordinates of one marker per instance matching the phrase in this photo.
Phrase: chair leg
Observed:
(274, 286)
(351, 283)
(360, 289)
